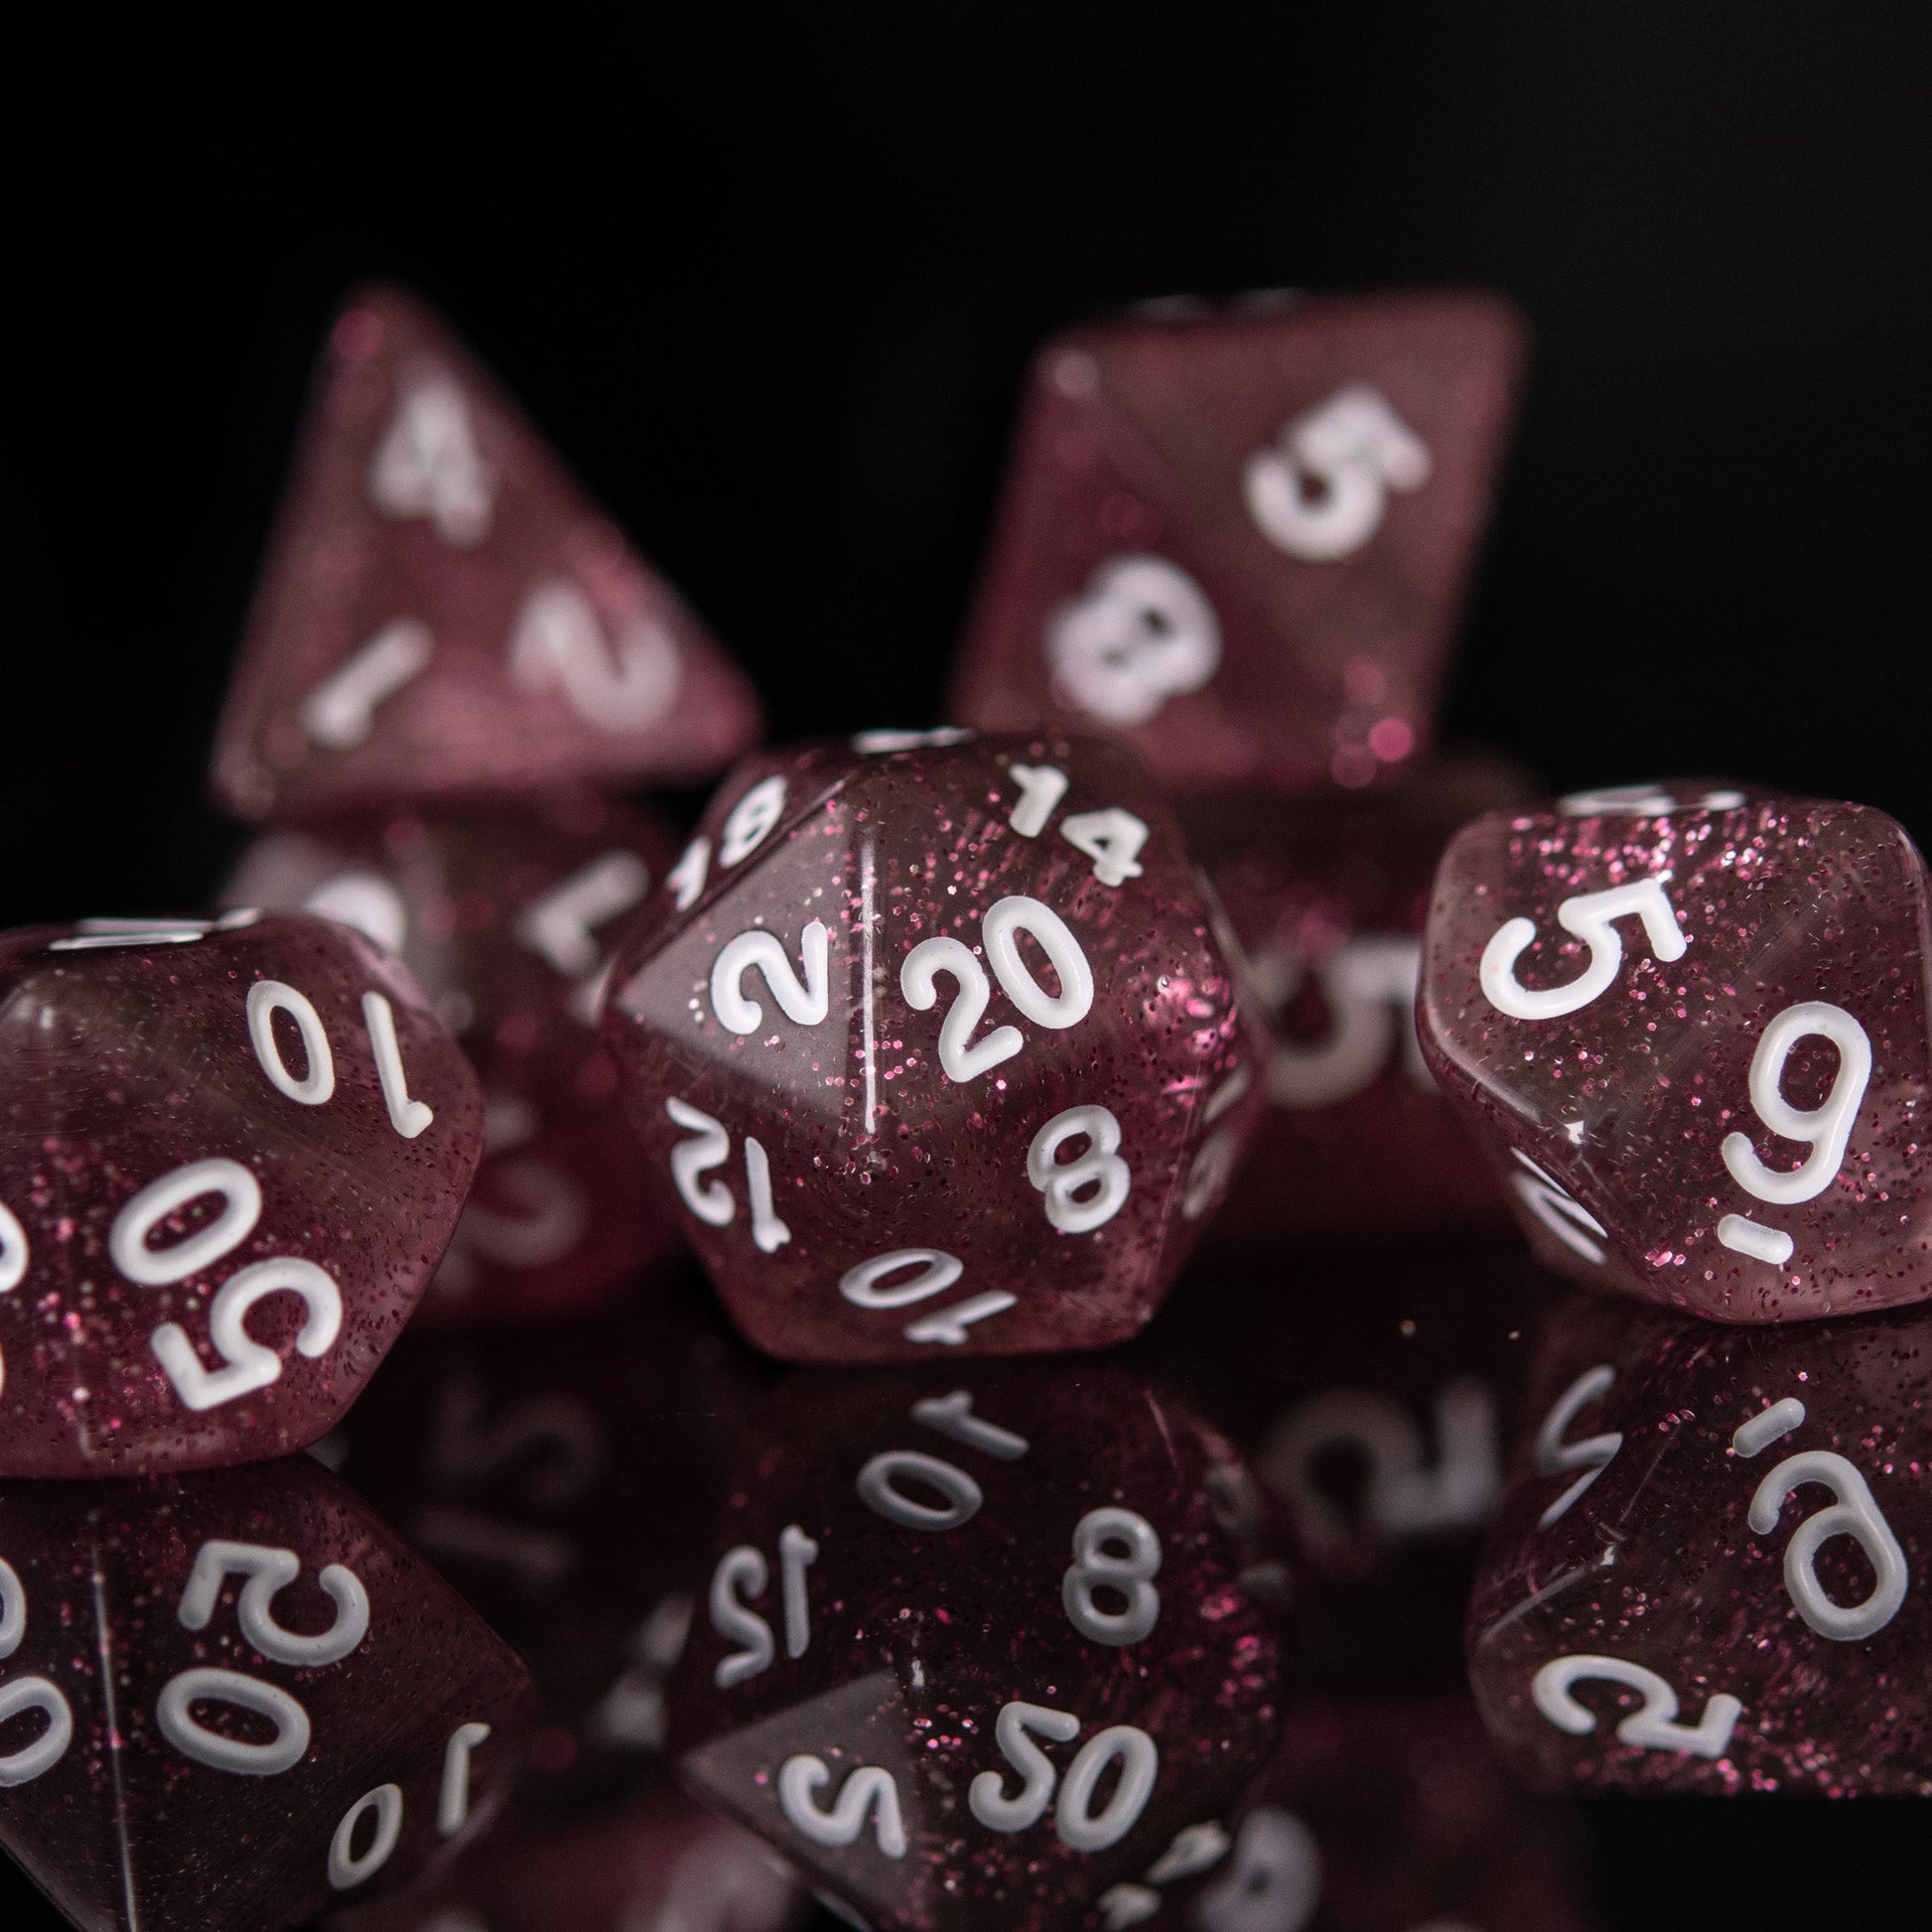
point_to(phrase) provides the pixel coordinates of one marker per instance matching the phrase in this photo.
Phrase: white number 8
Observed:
(1100, 1168)
(1591, 917)
(1827, 1127)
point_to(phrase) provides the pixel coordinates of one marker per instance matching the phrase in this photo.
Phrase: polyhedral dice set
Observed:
(1124, 1466)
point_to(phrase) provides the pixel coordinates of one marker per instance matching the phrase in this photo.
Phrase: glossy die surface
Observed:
(564, 1480)
(1240, 540)
(229, 1160)
(507, 915)
(1710, 1569)
(1372, 1394)
(234, 1697)
(936, 1047)
(1381, 1816)
(975, 1650)
(658, 1866)
(1696, 1041)
(1327, 896)
(442, 611)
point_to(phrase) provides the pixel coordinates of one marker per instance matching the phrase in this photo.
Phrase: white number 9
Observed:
(1827, 1127)
(1855, 1516)
(1591, 917)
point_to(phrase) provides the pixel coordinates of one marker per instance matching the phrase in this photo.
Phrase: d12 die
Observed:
(564, 1480)
(229, 1159)
(974, 1651)
(234, 1697)
(1385, 1816)
(1240, 540)
(945, 1017)
(1373, 1395)
(443, 612)
(1696, 1034)
(1327, 897)
(661, 1864)
(508, 919)
(1709, 1571)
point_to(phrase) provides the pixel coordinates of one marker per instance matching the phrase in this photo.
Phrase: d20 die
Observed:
(229, 1159)
(974, 1651)
(234, 1697)
(1327, 897)
(508, 919)
(1708, 1570)
(1240, 540)
(1693, 1027)
(443, 612)
(564, 1478)
(946, 1016)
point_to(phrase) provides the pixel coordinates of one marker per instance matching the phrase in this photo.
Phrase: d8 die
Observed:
(1692, 1025)
(506, 916)
(1390, 1815)
(442, 611)
(1708, 1574)
(233, 1698)
(1327, 897)
(1372, 1394)
(564, 1478)
(949, 1017)
(1240, 540)
(229, 1160)
(973, 1652)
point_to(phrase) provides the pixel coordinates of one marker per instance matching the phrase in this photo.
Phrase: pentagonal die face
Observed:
(936, 1047)
(1708, 1570)
(508, 917)
(443, 612)
(1695, 1038)
(976, 1649)
(1240, 540)
(229, 1161)
(233, 1698)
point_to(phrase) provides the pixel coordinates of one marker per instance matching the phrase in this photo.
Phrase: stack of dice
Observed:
(1158, 1006)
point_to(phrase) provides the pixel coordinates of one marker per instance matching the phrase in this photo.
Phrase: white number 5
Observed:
(1591, 917)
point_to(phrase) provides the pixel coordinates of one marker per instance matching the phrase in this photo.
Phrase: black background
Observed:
(770, 282)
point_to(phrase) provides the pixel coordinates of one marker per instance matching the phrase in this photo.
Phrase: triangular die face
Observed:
(443, 612)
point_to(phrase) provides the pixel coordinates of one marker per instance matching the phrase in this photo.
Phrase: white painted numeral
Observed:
(1565, 1217)
(878, 744)
(961, 1057)
(1112, 839)
(1591, 917)
(267, 998)
(805, 1001)
(866, 1791)
(340, 713)
(1322, 491)
(241, 1208)
(1854, 1514)
(428, 464)
(1369, 988)
(1142, 632)
(174, 1713)
(408, 1117)
(882, 1489)
(1118, 1551)
(1554, 1456)
(751, 820)
(366, 902)
(453, 1792)
(1100, 1168)
(711, 1201)
(14, 1250)
(865, 1285)
(349, 1868)
(631, 1712)
(553, 1216)
(1074, 1819)
(614, 684)
(251, 1365)
(1012, 1732)
(1042, 787)
(947, 1326)
(1826, 1127)
(769, 1232)
(268, 1571)
(24, 1694)
(561, 924)
(1652, 1725)
(1273, 1882)
(952, 1416)
(744, 1571)
(686, 878)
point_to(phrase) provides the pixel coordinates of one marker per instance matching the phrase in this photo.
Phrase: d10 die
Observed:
(937, 1045)
(1692, 1025)
(507, 917)
(1327, 897)
(1385, 1816)
(443, 612)
(661, 1864)
(974, 1651)
(234, 1697)
(1373, 1395)
(1709, 1571)
(564, 1478)
(229, 1160)
(1240, 540)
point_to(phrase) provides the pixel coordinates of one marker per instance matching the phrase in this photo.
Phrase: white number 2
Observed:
(1652, 1725)
(1591, 917)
